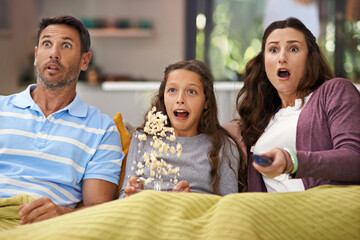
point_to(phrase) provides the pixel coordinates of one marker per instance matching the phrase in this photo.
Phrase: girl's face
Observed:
(184, 101)
(285, 60)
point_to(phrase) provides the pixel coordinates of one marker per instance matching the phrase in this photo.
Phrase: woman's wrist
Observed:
(293, 159)
(289, 164)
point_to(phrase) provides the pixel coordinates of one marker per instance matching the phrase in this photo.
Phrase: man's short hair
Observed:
(69, 21)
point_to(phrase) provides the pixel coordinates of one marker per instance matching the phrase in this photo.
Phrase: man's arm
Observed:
(95, 191)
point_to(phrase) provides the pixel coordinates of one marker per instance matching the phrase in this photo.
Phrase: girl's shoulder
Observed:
(200, 138)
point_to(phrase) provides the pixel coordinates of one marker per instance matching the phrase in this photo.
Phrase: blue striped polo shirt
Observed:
(52, 156)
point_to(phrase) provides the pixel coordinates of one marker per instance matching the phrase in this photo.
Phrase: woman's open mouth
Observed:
(283, 73)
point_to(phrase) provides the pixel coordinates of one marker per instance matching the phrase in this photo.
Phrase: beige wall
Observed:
(16, 47)
(137, 57)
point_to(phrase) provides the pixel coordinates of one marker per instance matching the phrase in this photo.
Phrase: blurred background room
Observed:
(134, 40)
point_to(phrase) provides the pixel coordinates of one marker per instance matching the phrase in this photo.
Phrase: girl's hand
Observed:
(182, 186)
(133, 186)
(279, 165)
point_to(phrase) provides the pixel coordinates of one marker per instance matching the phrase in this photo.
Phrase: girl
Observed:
(210, 161)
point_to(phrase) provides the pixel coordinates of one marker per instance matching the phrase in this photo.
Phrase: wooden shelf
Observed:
(121, 33)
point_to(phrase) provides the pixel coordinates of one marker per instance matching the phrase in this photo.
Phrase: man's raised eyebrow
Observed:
(64, 38)
(68, 38)
(45, 36)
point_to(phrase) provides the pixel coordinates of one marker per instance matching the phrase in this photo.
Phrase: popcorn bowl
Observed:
(163, 186)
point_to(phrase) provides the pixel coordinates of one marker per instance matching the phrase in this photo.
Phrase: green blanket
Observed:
(321, 213)
(9, 208)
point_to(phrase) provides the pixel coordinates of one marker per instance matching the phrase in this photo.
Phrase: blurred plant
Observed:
(237, 33)
(351, 40)
(352, 50)
(236, 37)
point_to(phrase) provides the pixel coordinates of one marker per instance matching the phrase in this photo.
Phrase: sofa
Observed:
(325, 212)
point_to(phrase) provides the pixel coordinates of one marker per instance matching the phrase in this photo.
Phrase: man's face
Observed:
(58, 58)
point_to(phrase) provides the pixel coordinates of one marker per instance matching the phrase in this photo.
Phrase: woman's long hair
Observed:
(258, 100)
(208, 124)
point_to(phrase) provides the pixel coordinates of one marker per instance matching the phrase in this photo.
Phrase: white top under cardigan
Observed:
(281, 132)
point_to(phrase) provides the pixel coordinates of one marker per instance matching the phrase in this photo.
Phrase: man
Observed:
(52, 145)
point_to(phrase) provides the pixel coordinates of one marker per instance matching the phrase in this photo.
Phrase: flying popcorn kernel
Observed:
(139, 172)
(142, 137)
(155, 126)
(140, 165)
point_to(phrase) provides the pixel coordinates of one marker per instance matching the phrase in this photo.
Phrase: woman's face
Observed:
(285, 60)
(184, 101)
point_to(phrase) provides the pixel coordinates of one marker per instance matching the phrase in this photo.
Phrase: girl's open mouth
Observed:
(181, 114)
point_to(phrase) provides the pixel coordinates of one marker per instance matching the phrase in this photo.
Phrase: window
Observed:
(226, 34)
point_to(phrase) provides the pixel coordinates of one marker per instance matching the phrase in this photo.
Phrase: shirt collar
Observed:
(24, 99)
(76, 108)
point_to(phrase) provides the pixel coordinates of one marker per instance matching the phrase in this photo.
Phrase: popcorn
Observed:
(139, 172)
(179, 150)
(142, 137)
(155, 126)
(140, 165)
(146, 180)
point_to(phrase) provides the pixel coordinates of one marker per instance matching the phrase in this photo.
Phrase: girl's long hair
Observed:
(258, 100)
(208, 124)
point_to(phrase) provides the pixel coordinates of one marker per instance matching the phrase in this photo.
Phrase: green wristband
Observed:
(293, 159)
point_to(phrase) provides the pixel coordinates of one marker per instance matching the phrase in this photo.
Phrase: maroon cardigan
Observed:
(327, 138)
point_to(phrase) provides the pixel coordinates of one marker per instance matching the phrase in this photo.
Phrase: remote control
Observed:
(261, 160)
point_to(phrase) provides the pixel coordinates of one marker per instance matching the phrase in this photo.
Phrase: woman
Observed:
(293, 112)
(210, 161)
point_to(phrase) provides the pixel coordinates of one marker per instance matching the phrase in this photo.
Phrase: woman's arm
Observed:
(328, 141)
